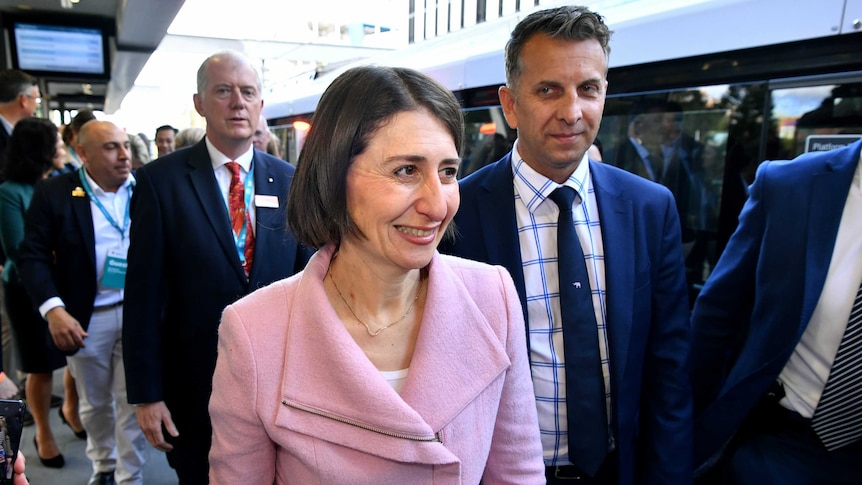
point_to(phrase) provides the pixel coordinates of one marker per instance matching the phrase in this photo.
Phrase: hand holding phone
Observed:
(11, 425)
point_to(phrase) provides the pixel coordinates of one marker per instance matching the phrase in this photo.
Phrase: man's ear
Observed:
(507, 101)
(196, 98)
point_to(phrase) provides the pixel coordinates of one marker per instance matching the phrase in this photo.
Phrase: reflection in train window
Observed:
(680, 139)
(801, 112)
(487, 138)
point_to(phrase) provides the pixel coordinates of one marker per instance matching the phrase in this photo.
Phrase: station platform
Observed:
(78, 468)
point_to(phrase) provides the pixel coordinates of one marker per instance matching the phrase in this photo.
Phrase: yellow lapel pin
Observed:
(78, 192)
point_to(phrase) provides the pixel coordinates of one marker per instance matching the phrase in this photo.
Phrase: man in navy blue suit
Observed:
(209, 227)
(628, 228)
(769, 330)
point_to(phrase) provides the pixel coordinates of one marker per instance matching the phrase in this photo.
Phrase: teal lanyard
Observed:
(239, 239)
(75, 156)
(111, 220)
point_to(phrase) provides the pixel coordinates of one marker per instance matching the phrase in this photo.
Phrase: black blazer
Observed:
(184, 270)
(57, 257)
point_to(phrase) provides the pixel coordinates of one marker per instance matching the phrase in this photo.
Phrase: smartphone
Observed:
(11, 424)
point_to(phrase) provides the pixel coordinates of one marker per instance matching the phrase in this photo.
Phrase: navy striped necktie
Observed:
(838, 417)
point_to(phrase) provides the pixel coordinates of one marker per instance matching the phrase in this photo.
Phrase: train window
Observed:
(292, 137)
(487, 138)
(690, 141)
(816, 111)
(705, 144)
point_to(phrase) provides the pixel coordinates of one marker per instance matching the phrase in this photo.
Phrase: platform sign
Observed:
(822, 143)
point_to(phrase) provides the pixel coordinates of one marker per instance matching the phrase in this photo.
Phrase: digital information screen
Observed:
(59, 49)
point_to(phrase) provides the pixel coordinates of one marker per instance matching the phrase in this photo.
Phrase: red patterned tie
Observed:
(236, 206)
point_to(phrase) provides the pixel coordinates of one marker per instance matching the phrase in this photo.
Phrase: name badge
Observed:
(269, 201)
(115, 270)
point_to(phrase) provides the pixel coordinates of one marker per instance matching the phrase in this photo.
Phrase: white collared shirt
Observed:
(536, 217)
(107, 239)
(6, 125)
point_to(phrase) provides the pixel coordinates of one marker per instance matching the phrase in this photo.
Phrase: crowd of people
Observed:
(368, 317)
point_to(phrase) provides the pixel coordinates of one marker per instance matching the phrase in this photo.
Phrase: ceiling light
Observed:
(66, 3)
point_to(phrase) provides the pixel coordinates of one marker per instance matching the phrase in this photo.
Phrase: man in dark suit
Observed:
(72, 262)
(773, 330)
(19, 99)
(636, 424)
(209, 228)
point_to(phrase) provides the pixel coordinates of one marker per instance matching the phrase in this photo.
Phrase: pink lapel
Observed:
(456, 357)
(458, 353)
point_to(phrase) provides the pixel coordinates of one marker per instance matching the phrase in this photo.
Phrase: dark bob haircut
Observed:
(31, 150)
(562, 23)
(358, 103)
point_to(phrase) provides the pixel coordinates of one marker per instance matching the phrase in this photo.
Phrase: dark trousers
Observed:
(779, 446)
(608, 474)
(190, 456)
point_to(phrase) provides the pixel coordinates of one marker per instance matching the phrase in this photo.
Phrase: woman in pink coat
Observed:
(383, 362)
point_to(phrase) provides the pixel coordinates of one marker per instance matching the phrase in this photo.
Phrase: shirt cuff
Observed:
(50, 304)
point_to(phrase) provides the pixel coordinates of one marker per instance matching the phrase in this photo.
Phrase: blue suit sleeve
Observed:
(723, 308)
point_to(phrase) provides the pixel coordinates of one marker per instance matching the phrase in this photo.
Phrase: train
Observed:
(720, 84)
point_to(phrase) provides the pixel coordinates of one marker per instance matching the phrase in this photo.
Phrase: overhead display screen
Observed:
(59, 49)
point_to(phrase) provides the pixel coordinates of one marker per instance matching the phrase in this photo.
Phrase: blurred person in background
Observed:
(166, 139)
(140, 155)
(273, 146)
(19, 99)
(189, 136)
(35, 149)
(144, 138)
(80, 119)
(261, 137)
(63, 163)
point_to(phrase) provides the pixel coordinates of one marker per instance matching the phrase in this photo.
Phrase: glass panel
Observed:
(685, 140)
(803, 112)
(487, 138)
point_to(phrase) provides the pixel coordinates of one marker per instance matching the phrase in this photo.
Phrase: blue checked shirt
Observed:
(537, 217)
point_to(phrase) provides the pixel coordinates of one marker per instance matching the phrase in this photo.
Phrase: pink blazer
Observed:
(295, 400)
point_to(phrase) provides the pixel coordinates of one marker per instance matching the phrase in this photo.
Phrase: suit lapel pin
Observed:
(269, 180)
(78, 192)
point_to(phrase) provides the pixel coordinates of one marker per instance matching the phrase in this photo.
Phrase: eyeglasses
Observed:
(37, 99)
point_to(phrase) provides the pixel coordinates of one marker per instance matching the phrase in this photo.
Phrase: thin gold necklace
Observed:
(367, 327)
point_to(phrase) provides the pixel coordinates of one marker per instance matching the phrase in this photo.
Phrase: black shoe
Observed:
(55, 462)
(80, 434)
(102, 478)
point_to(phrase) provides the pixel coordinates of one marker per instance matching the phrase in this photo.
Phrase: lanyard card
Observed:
(115, 270)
